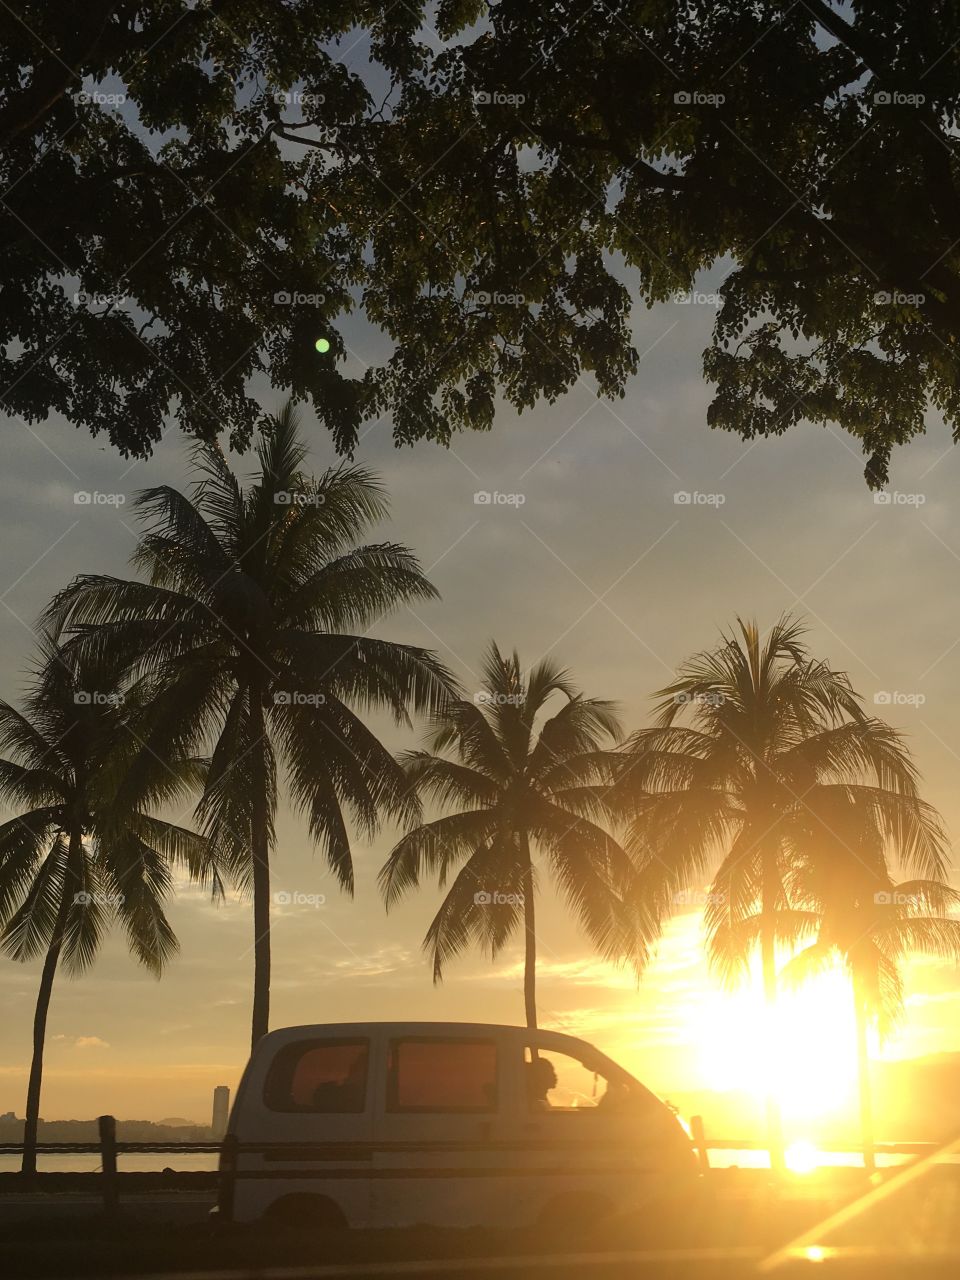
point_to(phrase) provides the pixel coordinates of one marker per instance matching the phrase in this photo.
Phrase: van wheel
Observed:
(306, 1212)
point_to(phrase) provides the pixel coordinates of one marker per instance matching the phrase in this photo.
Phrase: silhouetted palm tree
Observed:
(840, 879)
(253, 631)
(518, 781)
(767, 727)
(84, 849)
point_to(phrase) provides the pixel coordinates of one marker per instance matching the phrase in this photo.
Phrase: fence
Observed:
(109, 1148)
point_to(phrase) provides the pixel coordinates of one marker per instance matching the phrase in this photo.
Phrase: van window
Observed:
(442, 1075)
(557, 1082)
(320, 1076)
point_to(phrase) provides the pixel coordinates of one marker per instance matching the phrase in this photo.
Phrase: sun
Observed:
(801, 1157)
(812, 1069)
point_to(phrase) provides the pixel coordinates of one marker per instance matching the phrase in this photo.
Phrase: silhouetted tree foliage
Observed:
(492, 194)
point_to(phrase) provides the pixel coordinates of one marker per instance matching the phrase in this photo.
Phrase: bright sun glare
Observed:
(813, 1067)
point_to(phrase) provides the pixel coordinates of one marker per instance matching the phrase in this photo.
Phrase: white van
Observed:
(462, 1124)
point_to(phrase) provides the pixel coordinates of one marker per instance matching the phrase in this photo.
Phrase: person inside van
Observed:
(541, 1077)
(617, 1097)
(346, 1095)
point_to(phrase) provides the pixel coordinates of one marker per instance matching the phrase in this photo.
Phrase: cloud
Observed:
(90, 1042)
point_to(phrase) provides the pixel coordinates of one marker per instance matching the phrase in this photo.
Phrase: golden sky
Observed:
(598, 565)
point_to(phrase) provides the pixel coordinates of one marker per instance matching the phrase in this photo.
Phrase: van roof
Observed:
(324, 1030)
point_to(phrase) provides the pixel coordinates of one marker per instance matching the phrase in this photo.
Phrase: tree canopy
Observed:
(493, 193)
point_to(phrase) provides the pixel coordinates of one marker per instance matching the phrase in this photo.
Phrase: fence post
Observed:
(107, 1126)
(700, 1142)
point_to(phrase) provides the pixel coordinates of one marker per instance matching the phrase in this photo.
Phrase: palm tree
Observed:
(83, 850)
(767, 729)
(841, 879)
(514, 784)
(253, 633)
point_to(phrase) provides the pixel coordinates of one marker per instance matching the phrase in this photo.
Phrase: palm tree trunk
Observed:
(863, 1078)
(530, 943)
(260, 852)
(28, 1165)
(768, 959)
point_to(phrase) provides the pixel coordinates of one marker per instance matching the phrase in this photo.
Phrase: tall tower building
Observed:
(221, 1110)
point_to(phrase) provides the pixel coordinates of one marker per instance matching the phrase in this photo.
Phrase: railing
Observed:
(109, 1148)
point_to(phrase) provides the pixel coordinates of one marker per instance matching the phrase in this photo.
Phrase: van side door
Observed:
(316, 1125)
(440, 1130)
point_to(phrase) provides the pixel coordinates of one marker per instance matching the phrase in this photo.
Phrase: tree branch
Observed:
(551, 135)
(25, 110)
(862, 45)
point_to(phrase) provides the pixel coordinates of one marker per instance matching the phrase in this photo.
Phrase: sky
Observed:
(599, 565)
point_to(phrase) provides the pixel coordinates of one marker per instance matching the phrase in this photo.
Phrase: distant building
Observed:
(221, 1109)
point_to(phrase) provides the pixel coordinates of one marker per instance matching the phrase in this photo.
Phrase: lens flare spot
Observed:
(801, 1157)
